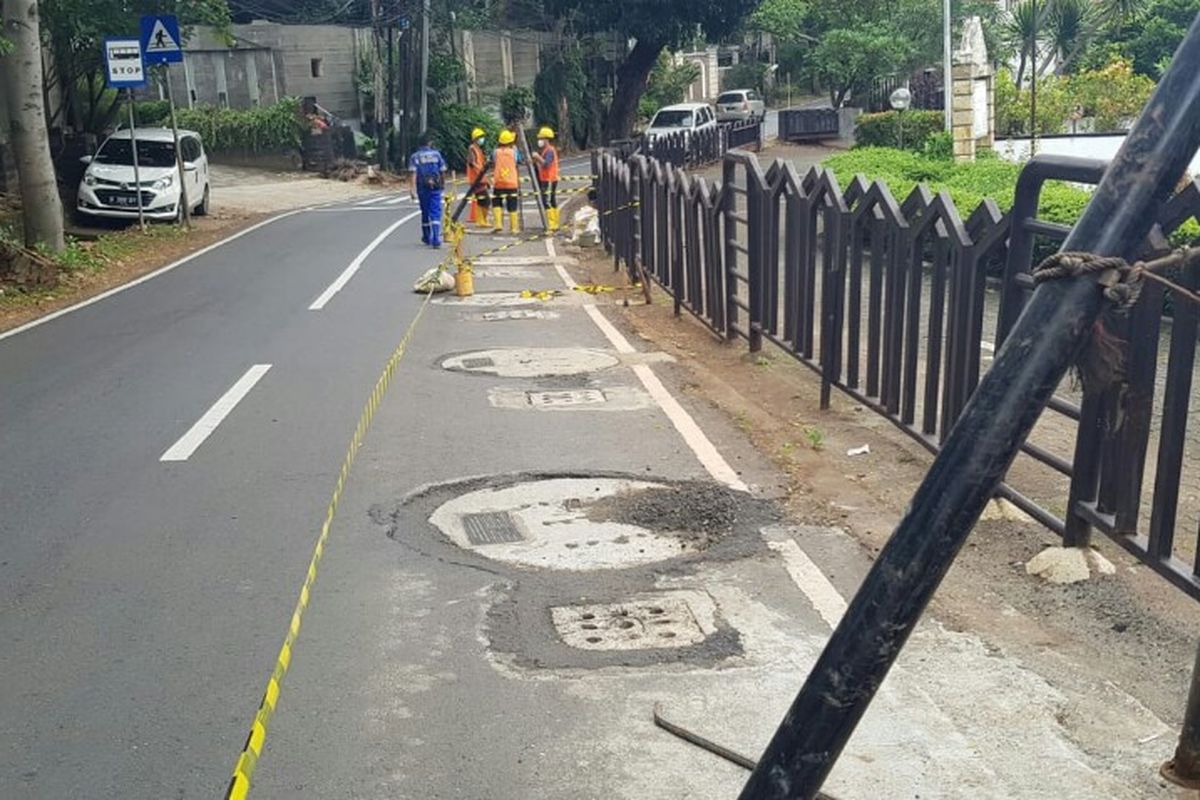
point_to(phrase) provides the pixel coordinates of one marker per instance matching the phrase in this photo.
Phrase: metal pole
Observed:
(183, 192)
(982, 445)
(391, 87)
(425, 65)
(947, 67)
(1033, 81)
(1184, 768)
(137, 173)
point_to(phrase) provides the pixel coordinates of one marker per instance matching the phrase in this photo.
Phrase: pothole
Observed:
(517, 314)
(546, 524)
(646, 622)
(531, 362)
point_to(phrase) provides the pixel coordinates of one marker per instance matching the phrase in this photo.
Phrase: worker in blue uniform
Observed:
(427, 168)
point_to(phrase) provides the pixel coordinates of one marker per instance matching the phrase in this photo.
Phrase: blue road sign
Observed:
(123, 63)
(161, 42)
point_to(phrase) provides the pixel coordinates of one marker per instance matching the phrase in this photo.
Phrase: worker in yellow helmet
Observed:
(476, 169)
(546, 159)
(506, 182)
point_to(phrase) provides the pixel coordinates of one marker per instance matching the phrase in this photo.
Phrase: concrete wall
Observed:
(496, 60)
(265, 62)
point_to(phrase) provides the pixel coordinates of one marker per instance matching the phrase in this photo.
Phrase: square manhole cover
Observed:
(491, 528)
(648, 622)
(569, 397)
(477, 363)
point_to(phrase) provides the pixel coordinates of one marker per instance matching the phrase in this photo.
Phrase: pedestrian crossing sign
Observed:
(161, 42)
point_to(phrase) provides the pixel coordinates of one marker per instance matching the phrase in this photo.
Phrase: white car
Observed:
(690, 118)
(107, 188)
(740, 105)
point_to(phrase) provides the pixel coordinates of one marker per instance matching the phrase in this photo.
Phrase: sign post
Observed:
(126, 70)
(162, 44)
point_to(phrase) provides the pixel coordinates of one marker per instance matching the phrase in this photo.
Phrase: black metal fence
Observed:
(806, 124)
(894, 303)
(689, 149)
(925, 86)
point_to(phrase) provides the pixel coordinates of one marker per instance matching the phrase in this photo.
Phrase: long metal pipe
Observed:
(1029, 366)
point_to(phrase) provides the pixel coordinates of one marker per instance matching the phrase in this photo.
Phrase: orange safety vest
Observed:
(507, 176)
(548, 173)
(476, 161)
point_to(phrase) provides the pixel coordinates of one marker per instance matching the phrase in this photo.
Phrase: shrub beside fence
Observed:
(885, 300)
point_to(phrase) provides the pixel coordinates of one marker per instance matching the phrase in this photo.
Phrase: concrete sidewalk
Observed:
(543, 538)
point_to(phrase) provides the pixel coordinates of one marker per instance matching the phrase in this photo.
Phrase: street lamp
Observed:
(900, 101)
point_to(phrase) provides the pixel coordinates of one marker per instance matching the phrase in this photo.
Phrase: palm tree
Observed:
(1070, 25)
(1020, 28)
(1119, 12)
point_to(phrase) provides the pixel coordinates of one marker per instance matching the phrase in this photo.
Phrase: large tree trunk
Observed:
(8, 164)
(21, 80)
(631, 85)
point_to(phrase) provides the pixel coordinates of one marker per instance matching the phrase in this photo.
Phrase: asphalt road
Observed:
(143, 601)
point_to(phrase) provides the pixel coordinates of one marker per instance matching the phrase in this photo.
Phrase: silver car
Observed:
(740, 105)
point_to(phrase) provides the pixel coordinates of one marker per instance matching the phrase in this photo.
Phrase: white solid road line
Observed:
(703, 448)
(191, 441)
(150, 276)
(356, 264)
(395, 201)
(824, 596)
(369, 201)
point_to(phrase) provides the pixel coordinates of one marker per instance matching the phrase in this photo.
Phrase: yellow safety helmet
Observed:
(478, 132)
(546, 133)
(507, 137)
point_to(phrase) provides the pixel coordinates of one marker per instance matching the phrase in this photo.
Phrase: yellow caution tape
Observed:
(243, 771)
(595, 288)
(542, 294)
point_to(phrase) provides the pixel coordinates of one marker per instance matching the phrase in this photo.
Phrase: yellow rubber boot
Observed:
(552, 215)
(514, 220)
(498, 216)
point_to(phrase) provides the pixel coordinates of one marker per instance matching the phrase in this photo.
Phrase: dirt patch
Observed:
(697, 513)
(1133, 629)
(163, 246)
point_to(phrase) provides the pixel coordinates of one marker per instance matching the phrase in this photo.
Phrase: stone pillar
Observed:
(973, 94)
(963, 116)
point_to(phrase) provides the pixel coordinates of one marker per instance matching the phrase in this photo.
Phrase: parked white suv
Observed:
(739, 105)
(688, 117)
(107, 189)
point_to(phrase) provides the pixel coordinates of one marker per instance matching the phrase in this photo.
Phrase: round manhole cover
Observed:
(546, 523)
(531, 362)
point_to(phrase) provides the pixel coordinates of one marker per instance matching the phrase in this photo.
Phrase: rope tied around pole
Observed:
(1102, 362)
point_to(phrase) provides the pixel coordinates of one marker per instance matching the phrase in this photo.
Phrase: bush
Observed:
(968, 183)
(746, 75)
(667, 85)
(152, 113)
(516, 103)
(451, 125)
(885, 129)
(1113, 94)
(256, 130)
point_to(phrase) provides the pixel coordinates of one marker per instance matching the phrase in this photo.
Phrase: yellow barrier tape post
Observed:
(243, 771)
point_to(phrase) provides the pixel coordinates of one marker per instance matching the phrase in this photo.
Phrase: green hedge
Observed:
(967, 183)
(885, 129)
(256, 130)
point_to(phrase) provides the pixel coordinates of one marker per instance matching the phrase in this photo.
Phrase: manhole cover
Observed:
(609, 399)
(485, 299)
(490, 528)
(531, 362)
(576, 397)
(554, 529)
(647, 622)
(520, 313)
